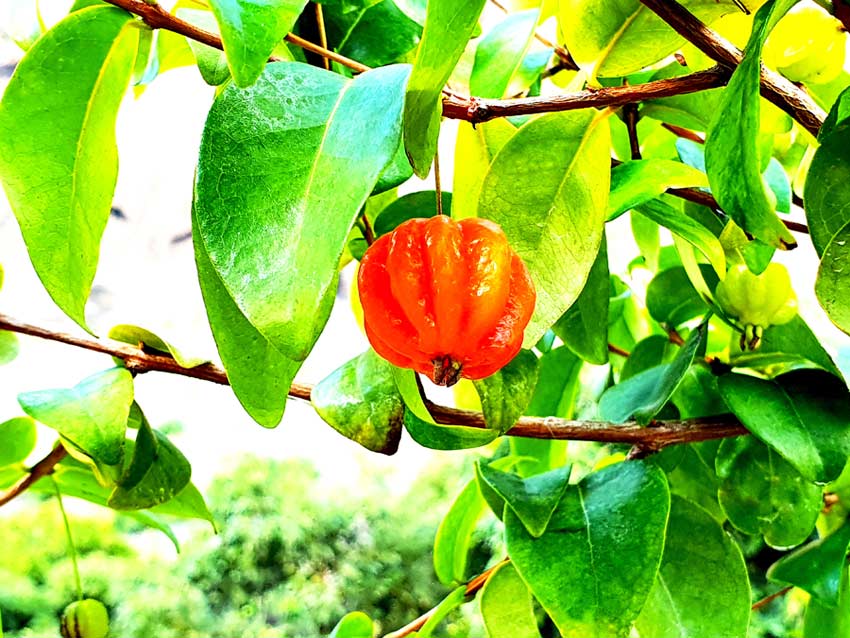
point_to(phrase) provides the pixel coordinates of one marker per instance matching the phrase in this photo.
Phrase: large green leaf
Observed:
(804, 415)
(92, 415)
(533, 499)
(506, 394)
(694, 477)
(579, 327)
(259, 374)
(17, 440)
(283, 171)
(499, 55)
(622, 36)
(361, 402)
(829, 622)
(671, 299)
(608, 535)
(58, 158)
(250, 30)
(827, 189)
(638, 181)
(831, 282)
(448, 26)
(761, 493)
(697, 594)
(796, 341)
(475, 148)
(506, 606)
(557, 384)
(552, 209)
(816, 567)
(643, 395)
(354, 625)
(446, 437)
(454, 535)
(732, 154)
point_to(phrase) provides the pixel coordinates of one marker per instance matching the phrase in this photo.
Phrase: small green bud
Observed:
(85, 619)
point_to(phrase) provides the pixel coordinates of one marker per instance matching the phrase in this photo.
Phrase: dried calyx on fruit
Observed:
(757, 301)
(447, 299)
(85, 619)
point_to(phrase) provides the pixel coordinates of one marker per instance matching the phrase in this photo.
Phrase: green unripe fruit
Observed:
(85, 619)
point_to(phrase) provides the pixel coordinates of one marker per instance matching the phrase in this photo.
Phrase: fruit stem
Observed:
(72, 550)
(437, 187)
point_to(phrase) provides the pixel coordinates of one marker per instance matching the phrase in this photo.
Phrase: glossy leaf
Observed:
(282, 175)
(697, 594)
(827, 189)
(816, 567)
(58, 158)
(499, 54)
(533, 499)
(694, 477)
(448, 27)
(638, 181)
(446, 437)
(506, 605)
(475, 149)
(642, 396)
(803, 415)
(454, 535)
(354, 625)
(92, 415)
(506, 394)
(825, 622)
(552, 209)
(831, 282)
(608, 535)
(138, 336)
(418, 204)
(794, 338)
(671, 299)
(9, 347)
(761, 493)
(188, 503)
(361, 402)
(557, 384)
(624, 36)
(732, 155)
(17, 440)
(259, 374)
(446, 606)
(250, 30)
(212, 63)
(579, 327)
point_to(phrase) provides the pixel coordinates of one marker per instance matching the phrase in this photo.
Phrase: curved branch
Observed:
(41, 469)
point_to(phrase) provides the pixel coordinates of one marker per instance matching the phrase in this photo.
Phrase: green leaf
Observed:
(552, 209)
(732, 156)
(188, 503)
(9, 347)
(642, 396)
(142, 337)
(647, 353)
(212, 63)
(639, 181)
(697, 594)
(624, 36)
(816, 567)
(282, 176)
(533, 499)
(354, 625)
(410, 206)
(446, 437)
(250, 30)
(579, 327)
(154, 522)
(506, 605)
(499, 55)
(825, 622)
(361, 402)
(156, 474)
(506, 394)
(92, 415)
(446, 606)
(259, 375)
(689, 229)
(827, 190)
(454, 535)
(694, 477)
(831, 282)
(58, 158)
(475, 148)
(804, 415)
(557, 384)
(448, 27)
(671, 299)
(794, 339)
(395, 173)
(691, 110)
(607, 534)
(761, 493)
(17, 440)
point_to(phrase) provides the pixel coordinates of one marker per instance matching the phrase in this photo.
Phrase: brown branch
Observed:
(684, 133)
(618, 350)
(769, 599)
(630, 113)
(777, 89)
(41, 469)
(156, 17)
(472, 588)
(659, 434)
(323, 36)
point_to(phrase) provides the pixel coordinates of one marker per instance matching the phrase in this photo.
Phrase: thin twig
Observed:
(659, 434)
(630, 113)
(684, 133)
(437, 187)
(323, 35)
(41, 469)
(72, 550)
(618, 350)
(780, 91)
(768, 599)
(472, 588)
